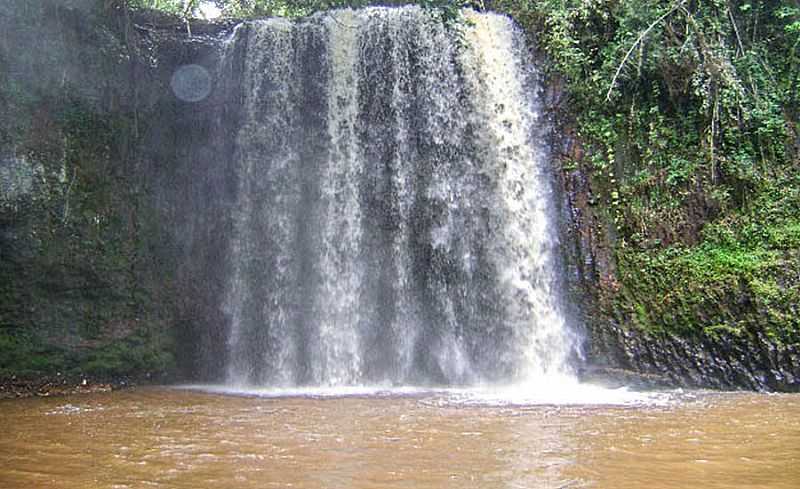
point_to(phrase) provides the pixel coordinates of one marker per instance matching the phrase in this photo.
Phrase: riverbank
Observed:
(59, 385)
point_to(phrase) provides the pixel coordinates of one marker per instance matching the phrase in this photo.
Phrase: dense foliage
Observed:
(688, 112)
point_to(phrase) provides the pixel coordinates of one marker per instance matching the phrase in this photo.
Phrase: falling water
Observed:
(392, 221)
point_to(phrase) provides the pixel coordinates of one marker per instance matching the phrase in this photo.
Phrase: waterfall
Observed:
(392, 220)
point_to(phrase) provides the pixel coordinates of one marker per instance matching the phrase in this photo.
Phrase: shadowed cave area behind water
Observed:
(387, 209)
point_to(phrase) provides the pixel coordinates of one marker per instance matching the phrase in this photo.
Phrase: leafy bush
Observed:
(141, 354)
(22, 354)
(138, 355)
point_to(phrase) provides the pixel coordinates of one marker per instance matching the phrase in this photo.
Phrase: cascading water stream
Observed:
(392, 220)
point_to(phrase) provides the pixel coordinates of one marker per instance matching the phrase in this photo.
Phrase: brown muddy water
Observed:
(172, 438)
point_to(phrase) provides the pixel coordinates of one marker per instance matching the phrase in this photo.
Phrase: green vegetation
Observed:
(141, 354)
(688, 113)
(72, 298)
(686, 108)
(74, 294)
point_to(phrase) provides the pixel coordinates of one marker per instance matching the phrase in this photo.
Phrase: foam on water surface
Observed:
(559, 392)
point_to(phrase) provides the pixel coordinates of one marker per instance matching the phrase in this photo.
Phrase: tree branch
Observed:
(735, 29)
(636, 43)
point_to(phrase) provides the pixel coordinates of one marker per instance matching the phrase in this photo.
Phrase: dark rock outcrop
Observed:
(620, 355)
(96, 152)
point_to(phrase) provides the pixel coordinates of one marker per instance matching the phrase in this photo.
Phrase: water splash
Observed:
(563, 391)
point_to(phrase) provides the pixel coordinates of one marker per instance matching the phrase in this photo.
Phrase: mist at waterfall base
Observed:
(393, 228)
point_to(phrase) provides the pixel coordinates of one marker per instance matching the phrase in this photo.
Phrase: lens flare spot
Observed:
(191, 83)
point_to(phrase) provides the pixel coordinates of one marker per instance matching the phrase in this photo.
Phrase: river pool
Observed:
(187, 438)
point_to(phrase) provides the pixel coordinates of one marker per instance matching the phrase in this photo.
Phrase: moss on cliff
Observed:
(75, 294)
(743, 275)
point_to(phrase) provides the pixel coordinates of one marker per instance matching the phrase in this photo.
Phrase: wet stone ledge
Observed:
(621, 356)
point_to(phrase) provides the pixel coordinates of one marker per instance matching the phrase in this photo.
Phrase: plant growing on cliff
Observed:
(689, 114)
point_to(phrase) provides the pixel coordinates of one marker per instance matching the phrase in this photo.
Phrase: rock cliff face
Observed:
(622, 349)
(109, 241)
(90, 136)
(723, 362)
